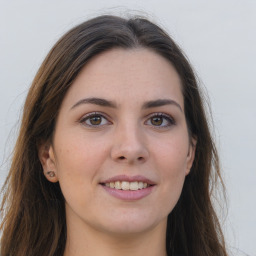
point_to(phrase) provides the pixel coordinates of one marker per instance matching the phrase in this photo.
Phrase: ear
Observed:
(48, 161)
(191, 154)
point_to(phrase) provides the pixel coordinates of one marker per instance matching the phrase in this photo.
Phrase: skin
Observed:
(127, 141)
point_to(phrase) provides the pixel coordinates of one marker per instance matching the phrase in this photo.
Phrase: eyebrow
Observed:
(95, 101)
(111, 104)
(161, 102)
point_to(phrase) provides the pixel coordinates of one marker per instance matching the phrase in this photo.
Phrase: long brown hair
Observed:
(33, 209)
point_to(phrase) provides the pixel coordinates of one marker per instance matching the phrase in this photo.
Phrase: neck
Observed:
(97, 243)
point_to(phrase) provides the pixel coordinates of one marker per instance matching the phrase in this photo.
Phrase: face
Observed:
(121, 149)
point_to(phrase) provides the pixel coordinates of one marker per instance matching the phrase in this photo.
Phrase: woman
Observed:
(114, 155)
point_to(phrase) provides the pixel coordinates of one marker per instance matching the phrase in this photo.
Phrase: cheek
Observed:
(78, 162)
(78, 157)
(171, 162)
(172, 154)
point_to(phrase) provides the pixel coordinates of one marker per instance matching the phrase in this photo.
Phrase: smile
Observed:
(126, 185)
(128, 188)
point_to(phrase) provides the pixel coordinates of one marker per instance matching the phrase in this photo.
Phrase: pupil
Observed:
(157, 121)
(95, 120)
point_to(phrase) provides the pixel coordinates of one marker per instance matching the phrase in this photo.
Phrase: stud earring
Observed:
(51, 174)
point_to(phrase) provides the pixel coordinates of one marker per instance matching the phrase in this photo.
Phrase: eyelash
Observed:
(91, 115)
(170, 121)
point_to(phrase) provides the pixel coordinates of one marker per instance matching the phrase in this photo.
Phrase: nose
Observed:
(129, 145)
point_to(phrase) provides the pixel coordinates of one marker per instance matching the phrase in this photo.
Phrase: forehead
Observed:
(121, 75)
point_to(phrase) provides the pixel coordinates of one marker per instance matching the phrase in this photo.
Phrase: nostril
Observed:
(140, 158)
(122, 157)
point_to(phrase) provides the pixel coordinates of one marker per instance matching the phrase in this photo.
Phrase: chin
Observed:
(128, 224)
(124, 230)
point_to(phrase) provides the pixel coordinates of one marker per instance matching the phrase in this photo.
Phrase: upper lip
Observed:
(129, 178)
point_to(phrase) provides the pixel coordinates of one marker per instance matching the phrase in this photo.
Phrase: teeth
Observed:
(141, 185)
(134, 185)
(118, 185)
(126, 185)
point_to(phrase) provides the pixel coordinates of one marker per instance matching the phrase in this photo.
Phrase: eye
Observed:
(94, 120)
(160, 120)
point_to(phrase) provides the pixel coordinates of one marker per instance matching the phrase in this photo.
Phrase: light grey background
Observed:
(219, 37)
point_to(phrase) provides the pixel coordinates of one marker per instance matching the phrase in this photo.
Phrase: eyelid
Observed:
(91, 114)
(168, 117)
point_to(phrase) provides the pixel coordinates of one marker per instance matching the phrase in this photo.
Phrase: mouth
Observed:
(128, 188)
(127, 185)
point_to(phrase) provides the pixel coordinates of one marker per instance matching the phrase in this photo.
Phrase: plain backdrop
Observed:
(219, 38)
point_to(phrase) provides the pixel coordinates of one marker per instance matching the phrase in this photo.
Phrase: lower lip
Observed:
(129, 195)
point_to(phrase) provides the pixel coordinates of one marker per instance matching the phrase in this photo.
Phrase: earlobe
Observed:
(48, 162)
(191, 155)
